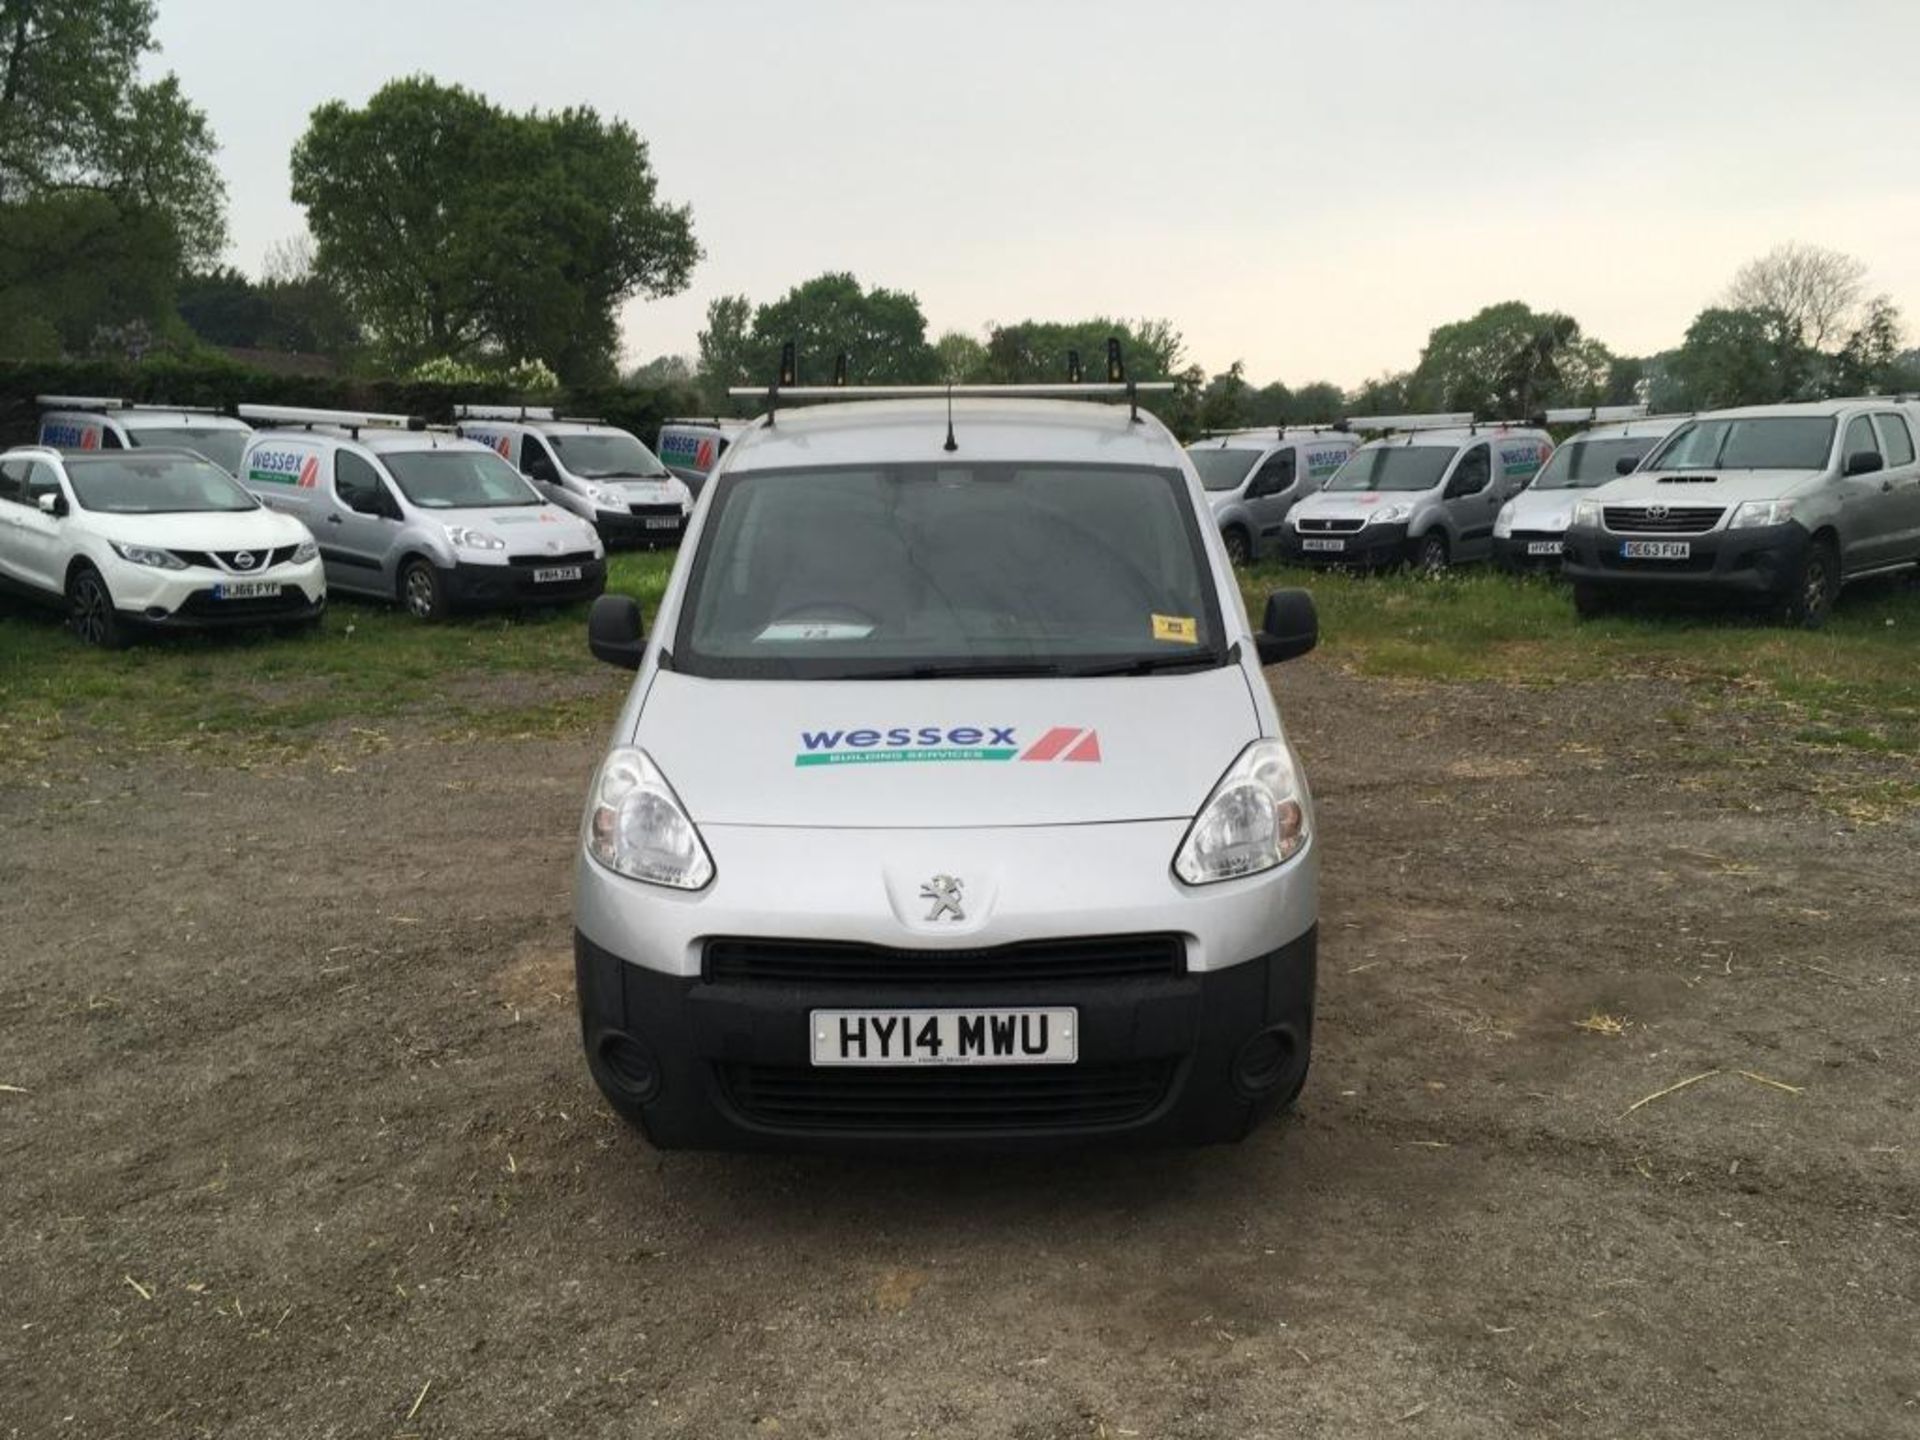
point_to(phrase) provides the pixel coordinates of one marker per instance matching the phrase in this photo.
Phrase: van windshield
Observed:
(1223, 469)
(1582, 464)
(927, 571)
(607, 455)
(1760, 442)
(222, 447)
(158, 484)
(458, 479)
(1393, 467)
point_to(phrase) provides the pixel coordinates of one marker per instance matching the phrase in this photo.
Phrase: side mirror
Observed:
(1865, 462)
(1627, 464)
(615, 632)
(53, 503)
(1291, 627)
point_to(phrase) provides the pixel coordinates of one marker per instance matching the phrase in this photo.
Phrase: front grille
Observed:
(203, 603)
(808, 962)
(1318, 525)
(948, 1098)
(224, 559)
(656, 510)
(1677, 519)
(1535, 537)
(541, 562)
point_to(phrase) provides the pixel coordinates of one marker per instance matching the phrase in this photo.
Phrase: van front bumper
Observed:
(643, 525)
(1370, 547)
(474, 587)
(1758, 560)
(1530, 552)
(721, 1064)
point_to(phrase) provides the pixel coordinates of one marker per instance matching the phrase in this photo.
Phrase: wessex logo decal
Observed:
(70, 437)
(690, 450)
(284, 467)
(1522, 459)
(906, 744)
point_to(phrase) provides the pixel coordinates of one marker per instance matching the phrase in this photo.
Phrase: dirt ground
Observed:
(297, 1139)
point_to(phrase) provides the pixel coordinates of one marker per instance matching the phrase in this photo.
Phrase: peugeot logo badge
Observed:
(944, 892)
(243, 560)
(1656, 512)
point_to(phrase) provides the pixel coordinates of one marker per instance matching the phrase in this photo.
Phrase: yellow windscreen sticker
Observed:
(1181, 628)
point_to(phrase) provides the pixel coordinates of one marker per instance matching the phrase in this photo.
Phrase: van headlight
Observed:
(637, 827)
(1255, 819)
(1503, 523)
(1587, 513)
(464, 537)
(1390, 515)
(1761, 512)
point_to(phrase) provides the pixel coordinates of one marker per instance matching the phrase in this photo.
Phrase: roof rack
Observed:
(1592, 415)
(959, 392)
(105, 404)
(714, 420)
(353, 421)
(521, 413)
(1460, 420)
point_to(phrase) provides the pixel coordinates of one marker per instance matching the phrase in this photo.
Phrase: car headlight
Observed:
(637, 827)
(1255, 819)
(465, 538)
(1390, 514)
(1586, 512)
(1760, 512)
(306, 551)
(1503, 523)
(148, 555)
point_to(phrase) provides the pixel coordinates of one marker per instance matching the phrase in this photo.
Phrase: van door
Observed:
(1270, 494)
(1902, 475)
(539, 466)
(362, 524)
(1470, 503)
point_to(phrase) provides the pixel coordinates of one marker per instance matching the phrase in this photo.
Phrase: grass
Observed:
(1854, 686)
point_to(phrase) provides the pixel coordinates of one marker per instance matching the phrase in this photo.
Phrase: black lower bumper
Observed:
(1371, 547)
(203, 612)
(1761, 560)
(473, 587)
(642, 529)
(1180, 1060)
(1529, 553)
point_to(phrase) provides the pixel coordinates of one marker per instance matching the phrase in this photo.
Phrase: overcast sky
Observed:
(1309, 188)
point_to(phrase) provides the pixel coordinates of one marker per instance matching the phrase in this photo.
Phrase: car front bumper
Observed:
(1760, 560)
(1370, 547)
(1520, 552)
(474, 587)
(713, 1061)
(188, 599)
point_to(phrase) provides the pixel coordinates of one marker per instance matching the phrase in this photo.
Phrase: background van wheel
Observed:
(1430, 553)
(421, 591)
(1592, 601)
(90, 610)
(1239, 547)
(1809, 599)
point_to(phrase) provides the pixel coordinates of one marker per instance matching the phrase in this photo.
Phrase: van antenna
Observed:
(952, 444)
(840, 369)
(1073, 367)
(785, 377)
(1117, 375)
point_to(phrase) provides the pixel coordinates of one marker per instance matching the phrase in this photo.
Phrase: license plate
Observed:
(946, 1037)
(1655, 549)
(246, 590)
(663, 522)
(1544, 547)
(556, 572)
(1307, 543)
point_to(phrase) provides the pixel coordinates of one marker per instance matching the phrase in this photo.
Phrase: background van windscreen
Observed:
(1582, 464)
(1394, 467)
(1223, 469)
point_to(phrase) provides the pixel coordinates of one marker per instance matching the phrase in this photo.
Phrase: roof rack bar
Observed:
(1459, 420)
(343, 419)
(1592, 414)
(80, 402)
(962, 392)
(520, 413)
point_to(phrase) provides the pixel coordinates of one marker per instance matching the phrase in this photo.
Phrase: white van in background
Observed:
(598, 471)
(1254, 477)
(81, 424)
(1426, 495)
(691, 448)
(1529, 532)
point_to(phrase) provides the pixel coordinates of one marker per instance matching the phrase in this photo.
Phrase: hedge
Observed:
(220, 382)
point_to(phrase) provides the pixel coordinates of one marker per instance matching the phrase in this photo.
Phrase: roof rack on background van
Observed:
(1460, 420)
(109, 404)
(522, 413)
(1592, 415)
(352, 421)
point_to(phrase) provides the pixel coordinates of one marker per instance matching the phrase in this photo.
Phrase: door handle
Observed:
(1885, 486)
(335, 520)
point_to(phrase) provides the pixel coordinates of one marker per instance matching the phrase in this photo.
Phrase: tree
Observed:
(1869, 363)
(1815, 290)
(1508, 362)
(725, 346)
(662, 372)
(881, 332)
(1224, 402)
(455, 228)
(1035, 351)
(961, 358)
(1739, 357)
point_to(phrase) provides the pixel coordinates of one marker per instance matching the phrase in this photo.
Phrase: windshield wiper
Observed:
(962, 672)
(1154, 665)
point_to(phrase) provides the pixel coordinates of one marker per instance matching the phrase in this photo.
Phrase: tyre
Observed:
(422, 592)
(1592, 601)
(90, 610)
(1430, 553)
(1239, 546)
(1809, 599)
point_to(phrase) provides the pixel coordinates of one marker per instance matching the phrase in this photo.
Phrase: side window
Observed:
(1895, 439)
(357, 483)
(535, 461)
(1859, 437)
(1274, 476)
(109, 439)
(13, 481)
(1473, 472)
(40, 481)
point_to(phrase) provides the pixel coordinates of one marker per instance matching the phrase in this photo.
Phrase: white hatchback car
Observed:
(950, 805)
(161, 539)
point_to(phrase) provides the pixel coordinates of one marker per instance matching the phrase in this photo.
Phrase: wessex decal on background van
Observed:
(934, 743)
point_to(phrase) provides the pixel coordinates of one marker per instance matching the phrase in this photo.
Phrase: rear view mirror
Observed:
(1865, 462)
(1626, 465)
(615, 631)
(1291, 627)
